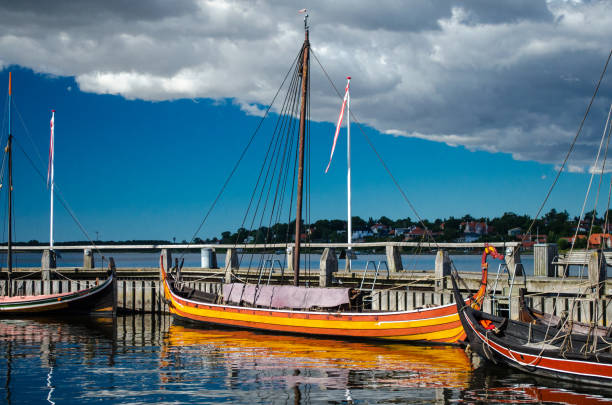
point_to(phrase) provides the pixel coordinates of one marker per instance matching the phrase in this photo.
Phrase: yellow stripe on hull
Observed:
(441, 335)
(325, 324)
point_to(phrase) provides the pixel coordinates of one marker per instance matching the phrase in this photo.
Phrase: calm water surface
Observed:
(466, 262)
(147, 359)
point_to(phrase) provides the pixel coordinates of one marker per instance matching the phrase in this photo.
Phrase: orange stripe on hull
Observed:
(410, 333)
(439, 324)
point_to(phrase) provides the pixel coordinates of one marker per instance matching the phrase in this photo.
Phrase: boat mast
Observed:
(50, 179)
(348, 174)
(300, 185)
(9, 256)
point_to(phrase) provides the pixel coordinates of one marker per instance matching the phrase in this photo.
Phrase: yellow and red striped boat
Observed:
(328, 312)
(439, 324)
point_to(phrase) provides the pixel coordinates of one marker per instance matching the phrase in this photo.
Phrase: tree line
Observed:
(555, 226)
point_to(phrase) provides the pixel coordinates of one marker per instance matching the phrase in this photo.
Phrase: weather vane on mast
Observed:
(305, 18)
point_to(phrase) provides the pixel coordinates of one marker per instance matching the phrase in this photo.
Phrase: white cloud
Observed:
(513, 78)
(571, 168)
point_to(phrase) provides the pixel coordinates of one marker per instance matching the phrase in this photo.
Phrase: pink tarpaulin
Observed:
(285, 296)
(232, 293)
(264, 295)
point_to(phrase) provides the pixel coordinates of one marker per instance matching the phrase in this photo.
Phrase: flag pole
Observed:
(9, 255)
(50, 177)
(348, 175)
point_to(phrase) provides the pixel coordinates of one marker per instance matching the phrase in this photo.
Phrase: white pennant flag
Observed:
(50, 169)
(346, 95)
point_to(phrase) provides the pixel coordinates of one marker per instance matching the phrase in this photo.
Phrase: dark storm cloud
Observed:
(504, 76)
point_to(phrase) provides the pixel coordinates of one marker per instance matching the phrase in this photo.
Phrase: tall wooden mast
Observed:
(300, 185)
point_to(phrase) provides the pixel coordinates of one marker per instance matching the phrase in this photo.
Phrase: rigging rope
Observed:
(572, 145)
(282, 131)
(233, 171)
(379, 157)
(58, 193)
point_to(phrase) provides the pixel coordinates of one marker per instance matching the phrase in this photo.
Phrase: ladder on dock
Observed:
(269, 265)
(500, 304)
(368, 298)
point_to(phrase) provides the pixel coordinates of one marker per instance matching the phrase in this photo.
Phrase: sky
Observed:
(471, 104)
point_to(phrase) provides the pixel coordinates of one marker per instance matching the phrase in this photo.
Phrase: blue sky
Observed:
(152, 115)
(133, 169)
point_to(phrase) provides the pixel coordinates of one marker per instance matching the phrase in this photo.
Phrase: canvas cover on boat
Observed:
(284, 296)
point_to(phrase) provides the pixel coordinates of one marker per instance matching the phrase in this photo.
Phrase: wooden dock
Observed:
(550, 288)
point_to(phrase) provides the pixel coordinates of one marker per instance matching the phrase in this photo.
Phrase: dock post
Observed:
(166, 259)
(48, 262)
(88, 259)
(289, 253)
(213, 260)
(394, 259)
(513, 261)
(442, 269)
(206, 258)
(517, 273)
(231, 263)
(328, 265)
(597, 272)
(543, 256)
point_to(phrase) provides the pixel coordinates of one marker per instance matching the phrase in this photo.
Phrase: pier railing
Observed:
(139, 288)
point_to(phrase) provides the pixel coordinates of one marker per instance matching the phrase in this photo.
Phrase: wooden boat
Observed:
(439, 324)
(532, 315)
(536, 348)
(541, 343)
(99, 299)
(324, 311)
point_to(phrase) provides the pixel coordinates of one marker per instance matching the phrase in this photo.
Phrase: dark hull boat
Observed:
(97, 300)
(536, 348)
(532, 315)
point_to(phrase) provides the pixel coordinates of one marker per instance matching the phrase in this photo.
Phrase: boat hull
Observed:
(440, 324)
(97, 300)
(534, 349)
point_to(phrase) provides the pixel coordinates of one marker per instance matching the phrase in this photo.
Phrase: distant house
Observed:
(414, 233)
(379, 229)
(401, 231)
(599, 239)
(583, 226)
(514, 231)
(360, 234)
(570, 239)
(479, 228)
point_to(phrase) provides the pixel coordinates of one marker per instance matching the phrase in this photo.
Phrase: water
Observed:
(151, 259)
(147, 359)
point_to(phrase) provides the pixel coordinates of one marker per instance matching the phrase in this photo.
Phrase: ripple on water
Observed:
(147, 359)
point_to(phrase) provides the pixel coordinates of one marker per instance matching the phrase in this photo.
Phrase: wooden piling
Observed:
(328, 266)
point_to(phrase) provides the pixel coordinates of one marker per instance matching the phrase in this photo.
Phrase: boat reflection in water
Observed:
(148, 359)
(533, 395)
(313, 367)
